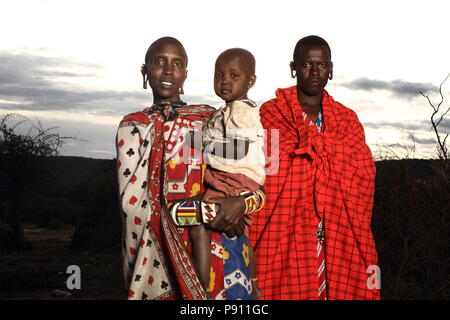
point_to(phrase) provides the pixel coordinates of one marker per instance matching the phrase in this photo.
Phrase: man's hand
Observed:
(230, 215)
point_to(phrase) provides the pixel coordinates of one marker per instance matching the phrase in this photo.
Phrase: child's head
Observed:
(312, 64)
(234, 74)
(165, 69)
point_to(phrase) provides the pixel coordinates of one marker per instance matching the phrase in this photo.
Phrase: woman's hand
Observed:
(230, 215)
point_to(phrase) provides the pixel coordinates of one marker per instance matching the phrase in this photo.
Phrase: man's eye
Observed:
(307, 65)
(159, 61)
(323, 65)
(178, 64)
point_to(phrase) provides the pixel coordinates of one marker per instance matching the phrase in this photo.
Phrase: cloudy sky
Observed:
(75, 64)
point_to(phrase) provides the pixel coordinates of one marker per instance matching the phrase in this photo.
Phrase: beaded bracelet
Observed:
(251, 201)
(262, 200)
(208, 211)
(184, 213)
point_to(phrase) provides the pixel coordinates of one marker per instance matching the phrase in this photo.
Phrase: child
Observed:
(233, 146)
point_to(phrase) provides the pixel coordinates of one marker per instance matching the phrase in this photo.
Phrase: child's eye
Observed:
(217, 76)
(234, 75)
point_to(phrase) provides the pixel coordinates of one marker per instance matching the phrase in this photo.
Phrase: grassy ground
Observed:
(36, 274)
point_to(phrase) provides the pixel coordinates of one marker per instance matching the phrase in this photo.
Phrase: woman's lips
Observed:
(167, 84)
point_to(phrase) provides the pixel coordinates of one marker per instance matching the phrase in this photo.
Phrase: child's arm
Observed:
(236, 149)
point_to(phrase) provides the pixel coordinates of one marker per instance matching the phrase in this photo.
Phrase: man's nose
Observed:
(315, 69)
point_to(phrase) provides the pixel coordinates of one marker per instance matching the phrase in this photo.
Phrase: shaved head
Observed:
(310, 41)
(245, 57)
(158, 44)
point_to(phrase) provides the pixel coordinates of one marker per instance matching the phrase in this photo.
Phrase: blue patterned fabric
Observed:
(237, 281)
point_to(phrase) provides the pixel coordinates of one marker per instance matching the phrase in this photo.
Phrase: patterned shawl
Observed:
(157, 264)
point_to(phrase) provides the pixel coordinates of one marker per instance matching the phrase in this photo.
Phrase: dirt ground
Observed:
(41, 273)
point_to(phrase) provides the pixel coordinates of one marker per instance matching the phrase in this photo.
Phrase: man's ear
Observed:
(331, 70)
(292, 66)
(252, 81)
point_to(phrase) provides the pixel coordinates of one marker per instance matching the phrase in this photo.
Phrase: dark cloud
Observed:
(415, 129)
(39, 83)
(423, 125)
(430, 141)
(399, 88)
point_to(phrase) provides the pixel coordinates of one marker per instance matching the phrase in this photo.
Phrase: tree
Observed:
(436, 118)
(24, 146)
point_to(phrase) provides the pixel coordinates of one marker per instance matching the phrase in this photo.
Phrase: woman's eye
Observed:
(178, 64)
(234, 75)
(159, 61)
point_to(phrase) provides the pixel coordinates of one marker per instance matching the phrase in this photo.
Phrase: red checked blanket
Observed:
(326, 175)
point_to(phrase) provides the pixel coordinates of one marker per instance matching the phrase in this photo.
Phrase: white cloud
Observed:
(104, 43)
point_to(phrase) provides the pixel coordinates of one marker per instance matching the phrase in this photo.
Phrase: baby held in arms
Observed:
(233, 143)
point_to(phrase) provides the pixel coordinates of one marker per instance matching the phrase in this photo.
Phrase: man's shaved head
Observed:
(160, 43)
(246, 58)
(310, 41)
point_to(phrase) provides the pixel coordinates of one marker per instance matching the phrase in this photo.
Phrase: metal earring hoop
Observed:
(181, 90)
(330, 76)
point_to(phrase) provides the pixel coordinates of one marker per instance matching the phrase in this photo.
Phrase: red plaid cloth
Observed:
(326, 175)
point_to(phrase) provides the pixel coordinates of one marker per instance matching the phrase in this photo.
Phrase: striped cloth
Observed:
(320, 233)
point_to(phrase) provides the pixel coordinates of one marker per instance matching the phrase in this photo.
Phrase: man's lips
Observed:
(314, 82)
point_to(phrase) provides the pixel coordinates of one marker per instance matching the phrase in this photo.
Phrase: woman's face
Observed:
(166, 72)
(313, 68)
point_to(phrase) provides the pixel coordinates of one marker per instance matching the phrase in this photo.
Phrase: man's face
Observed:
(231, 78)
(167, 71)
(313, 68)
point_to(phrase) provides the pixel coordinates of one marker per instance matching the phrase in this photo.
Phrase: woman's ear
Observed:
(144, 75)
(180, 90)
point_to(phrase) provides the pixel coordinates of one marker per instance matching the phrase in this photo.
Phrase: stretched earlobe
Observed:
(331, 75)
(293, 75)
(181, 91)
(291, 65)
(144, 76)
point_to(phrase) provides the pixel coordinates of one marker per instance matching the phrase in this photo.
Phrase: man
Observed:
(313, 239)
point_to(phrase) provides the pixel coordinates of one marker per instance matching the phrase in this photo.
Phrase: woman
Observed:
(313, 239)
(160, 187)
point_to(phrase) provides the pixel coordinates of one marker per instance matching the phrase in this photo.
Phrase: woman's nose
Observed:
(168, 68)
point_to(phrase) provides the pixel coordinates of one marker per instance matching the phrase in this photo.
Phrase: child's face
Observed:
(166, 72)
(231, 79)
(313, 67)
